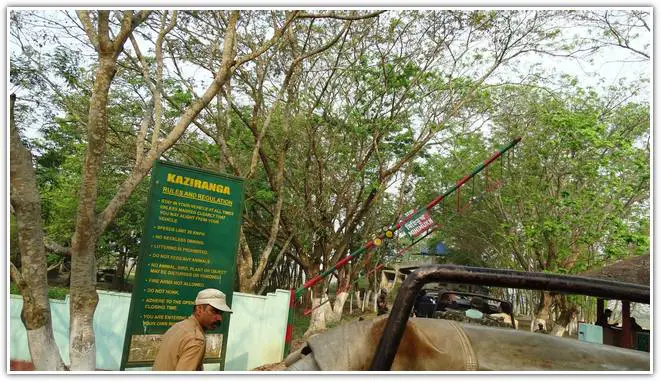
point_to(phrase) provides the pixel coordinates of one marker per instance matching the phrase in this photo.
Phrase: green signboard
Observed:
(189, 243)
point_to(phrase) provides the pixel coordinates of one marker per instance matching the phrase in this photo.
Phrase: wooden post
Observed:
(600, 308)
(627, 333)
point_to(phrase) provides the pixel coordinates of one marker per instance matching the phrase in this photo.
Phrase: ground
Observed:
(21, 366)
(280, 366)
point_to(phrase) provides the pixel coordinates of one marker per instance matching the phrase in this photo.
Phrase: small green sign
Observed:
(189, 243)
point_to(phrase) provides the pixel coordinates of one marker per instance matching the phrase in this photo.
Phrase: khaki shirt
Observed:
(182, 347)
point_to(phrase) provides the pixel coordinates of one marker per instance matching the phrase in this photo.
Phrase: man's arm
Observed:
(191, 356)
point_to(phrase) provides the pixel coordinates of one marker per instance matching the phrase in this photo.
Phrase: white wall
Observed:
(256, 332)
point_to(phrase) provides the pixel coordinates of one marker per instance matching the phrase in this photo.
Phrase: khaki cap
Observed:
(213, 297)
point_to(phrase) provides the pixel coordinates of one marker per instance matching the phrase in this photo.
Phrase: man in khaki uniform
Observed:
(182, 346)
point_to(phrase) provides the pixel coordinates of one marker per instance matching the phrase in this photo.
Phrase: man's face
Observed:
(209, 317)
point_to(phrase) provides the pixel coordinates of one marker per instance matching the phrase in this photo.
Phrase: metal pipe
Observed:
(308, 311)
(399, 253)
(373, 243)
(475, 171)
(401, 309)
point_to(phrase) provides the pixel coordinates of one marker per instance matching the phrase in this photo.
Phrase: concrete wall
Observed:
(256, 332)
(590, 333)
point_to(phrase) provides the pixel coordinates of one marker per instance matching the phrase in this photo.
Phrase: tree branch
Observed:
(84, 18)
(56, 248)
(333, 15)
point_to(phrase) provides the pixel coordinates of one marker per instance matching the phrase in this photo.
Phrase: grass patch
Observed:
(300, 324)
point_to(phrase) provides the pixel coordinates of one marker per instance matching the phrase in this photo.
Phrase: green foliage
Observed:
(56, 293)
(13, 289)
(577, 182)
(575, 188)
(265, 195)
(59, 155)
(14, 253)
(181, 100)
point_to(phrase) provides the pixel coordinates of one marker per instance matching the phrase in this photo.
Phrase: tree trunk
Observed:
(543, 312)
(318, 316)
(367, 301)
(244, 264)
(356, 296)
(572, 329)
(275, 266)
(32, 279)
(370, 303)
(318, 295)
(335, 314)
(341, 296)
(567, 312)
(82, 346)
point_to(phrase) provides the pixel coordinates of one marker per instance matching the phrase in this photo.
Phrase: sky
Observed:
(610, 65)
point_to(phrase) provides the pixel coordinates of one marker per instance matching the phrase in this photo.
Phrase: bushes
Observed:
(56, 293)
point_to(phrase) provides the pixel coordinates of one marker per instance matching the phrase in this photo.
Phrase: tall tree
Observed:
(621, 28)
(417, 81)
(31, 279)
(576, 188)
(108, 39)
(269, 126)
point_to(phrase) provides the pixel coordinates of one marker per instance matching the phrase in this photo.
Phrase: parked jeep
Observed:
(401, 342)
